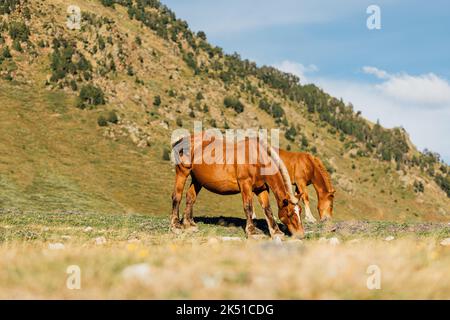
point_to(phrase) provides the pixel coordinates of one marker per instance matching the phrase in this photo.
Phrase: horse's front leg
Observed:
(247, 200)
(303, 191)
(264, 201)
(180, 180)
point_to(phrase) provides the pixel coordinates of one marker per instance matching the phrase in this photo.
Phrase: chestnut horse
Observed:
(305, 169)
(232, 177)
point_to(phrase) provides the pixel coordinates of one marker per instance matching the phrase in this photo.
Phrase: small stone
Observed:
(210, 282)
(88, 229)
(323, 240)
(354, 241)
(134, 241)
(334, 241)
(228, 239)
(445, 242)
(100, 241)
(66, 237)
(389, 239)
(56, 246)
(138, 272)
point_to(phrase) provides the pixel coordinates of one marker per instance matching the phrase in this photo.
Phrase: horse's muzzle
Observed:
(298, 235)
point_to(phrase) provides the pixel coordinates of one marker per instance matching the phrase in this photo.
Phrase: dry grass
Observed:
(204, 266)
(200, 269)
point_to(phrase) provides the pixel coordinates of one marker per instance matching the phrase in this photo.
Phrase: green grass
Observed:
(25, 226)
(28, 226)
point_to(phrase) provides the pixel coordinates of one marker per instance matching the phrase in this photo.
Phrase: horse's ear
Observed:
(285, 202)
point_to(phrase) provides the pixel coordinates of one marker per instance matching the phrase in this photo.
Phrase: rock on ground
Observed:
(138, 272)
(445, 242)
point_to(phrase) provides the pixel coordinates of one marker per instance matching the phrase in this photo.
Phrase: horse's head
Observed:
(290, 214)
(325, 205)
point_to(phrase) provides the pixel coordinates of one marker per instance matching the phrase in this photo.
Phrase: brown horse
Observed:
(226, 177)
(305, 169)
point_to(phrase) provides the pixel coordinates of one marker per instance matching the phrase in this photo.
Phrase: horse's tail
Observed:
(283, 170)
(181, 147)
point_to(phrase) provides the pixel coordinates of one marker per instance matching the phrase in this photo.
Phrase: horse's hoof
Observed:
(176, 230)
(190, 228)
(278, 237)
(256, 236)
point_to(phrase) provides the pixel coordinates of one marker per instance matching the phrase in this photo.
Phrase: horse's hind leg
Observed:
(247, 199)
(264, 201)
(180, 180)
(191, 196)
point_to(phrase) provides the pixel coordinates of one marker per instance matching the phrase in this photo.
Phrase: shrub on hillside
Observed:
(201, 35)
(8, 6)
(157, 101)
(199, 96)
(290, 134)
(274, 109)
(90, 96)
(138, 40)
(73, 85)
(110, 117)
(101, 121)
(18, 30)
(17, 46)
(233, 103)
(108, 3)
(418, 187)
(444, 183)
(62, 61)
(305, 142)
(6, 53)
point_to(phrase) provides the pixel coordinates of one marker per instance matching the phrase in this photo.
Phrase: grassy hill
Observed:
(86, 115)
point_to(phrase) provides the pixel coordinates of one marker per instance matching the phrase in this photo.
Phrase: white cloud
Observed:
(420, 104)
(381, 74)
(424, 90)
(297, 69)
(427, 90)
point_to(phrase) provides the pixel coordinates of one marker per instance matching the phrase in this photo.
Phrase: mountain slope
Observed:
(86, 116)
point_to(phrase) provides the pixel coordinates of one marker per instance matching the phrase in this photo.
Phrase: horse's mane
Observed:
(282, 167)
(318, 164)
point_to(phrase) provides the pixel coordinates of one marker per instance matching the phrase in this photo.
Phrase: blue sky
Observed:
(399, 74)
